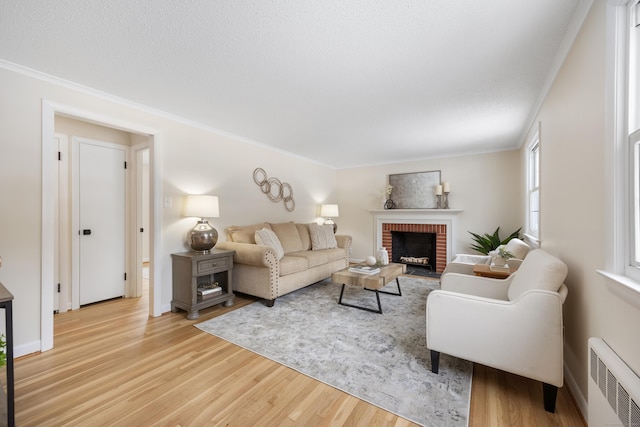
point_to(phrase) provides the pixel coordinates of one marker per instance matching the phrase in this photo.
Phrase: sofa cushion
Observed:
(539, 270)
(293, 264)
(245, 233)
(267, 237)
(288, 235)
(305, 238)
(320, 257)
(322, 237)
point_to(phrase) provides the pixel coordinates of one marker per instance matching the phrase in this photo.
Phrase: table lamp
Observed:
(329, 212)
(203, 236)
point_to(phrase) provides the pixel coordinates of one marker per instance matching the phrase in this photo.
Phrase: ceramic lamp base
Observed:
(203, 237)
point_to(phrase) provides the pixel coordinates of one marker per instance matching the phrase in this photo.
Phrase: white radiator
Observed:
(614, 389)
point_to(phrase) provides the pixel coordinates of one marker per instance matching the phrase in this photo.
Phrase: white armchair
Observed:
(463, 263)
(514, 324)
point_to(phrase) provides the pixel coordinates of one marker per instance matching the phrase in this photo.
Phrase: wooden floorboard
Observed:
(113, 365)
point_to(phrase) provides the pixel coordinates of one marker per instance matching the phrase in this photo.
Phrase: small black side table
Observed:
(6, 302)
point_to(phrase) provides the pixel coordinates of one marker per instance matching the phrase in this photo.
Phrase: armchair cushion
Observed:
(518, 248)
(540, 270)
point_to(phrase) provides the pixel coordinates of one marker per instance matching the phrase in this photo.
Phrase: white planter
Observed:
(499, 261)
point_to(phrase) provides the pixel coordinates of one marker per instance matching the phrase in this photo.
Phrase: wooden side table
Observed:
(193, 269)
(485, 270)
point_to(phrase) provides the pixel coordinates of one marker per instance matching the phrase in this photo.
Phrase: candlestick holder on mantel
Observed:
(438, 201)
(442, 195)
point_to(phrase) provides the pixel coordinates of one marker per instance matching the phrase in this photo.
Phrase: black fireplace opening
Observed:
(417, 250)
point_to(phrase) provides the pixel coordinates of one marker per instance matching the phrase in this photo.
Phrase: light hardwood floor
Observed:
(114, 365)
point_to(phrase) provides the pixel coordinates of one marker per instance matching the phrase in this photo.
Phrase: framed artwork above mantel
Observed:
(416, 190)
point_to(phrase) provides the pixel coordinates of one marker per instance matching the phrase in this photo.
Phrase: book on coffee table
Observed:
(364, 269)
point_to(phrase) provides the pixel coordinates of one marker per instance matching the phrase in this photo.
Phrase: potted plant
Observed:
(490, 242)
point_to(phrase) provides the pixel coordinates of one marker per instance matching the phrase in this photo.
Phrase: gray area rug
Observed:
(380, 358)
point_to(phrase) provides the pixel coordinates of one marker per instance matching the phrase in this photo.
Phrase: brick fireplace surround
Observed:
(440, 221)
(441, 239)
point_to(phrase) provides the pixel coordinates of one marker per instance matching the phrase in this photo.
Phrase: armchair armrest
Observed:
(459, 267)
(250, 254)
(524, 336)
(514, 263)
(470, 284)
(472, 259)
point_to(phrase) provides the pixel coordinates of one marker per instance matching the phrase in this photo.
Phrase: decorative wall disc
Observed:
(275, 190)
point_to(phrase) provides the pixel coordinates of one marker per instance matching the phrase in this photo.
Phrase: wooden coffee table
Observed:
(373, 282)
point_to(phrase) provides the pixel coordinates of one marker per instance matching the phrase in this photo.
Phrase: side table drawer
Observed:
(212, 265)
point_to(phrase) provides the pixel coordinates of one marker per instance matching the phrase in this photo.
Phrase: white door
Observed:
(101, 218)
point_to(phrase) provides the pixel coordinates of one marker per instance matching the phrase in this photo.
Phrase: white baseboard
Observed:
(571, 383)
(165, 308)
(24, 349)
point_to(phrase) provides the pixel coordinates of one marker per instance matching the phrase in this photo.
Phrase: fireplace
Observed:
(414, 249)
(417, 237)
(441, 222)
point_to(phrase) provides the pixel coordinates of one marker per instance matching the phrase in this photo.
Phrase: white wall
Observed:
(487, 187)
(193, 159)
(573, 202)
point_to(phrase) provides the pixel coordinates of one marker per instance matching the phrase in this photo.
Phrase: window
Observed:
(629, 141)
(533, 187)
(632, 135)
(634, 143)
(622, 159)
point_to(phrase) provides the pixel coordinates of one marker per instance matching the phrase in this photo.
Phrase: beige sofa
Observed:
(258, 269)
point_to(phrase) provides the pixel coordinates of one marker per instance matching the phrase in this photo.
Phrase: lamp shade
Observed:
(329, 211)
(202, 206)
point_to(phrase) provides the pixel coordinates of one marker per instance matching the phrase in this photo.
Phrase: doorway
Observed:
(49, 182)
(140, 155)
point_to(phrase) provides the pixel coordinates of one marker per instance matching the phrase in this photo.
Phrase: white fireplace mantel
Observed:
(417, 216)
(428, 212)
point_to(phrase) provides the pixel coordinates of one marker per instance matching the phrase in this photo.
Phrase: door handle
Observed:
(86, 232)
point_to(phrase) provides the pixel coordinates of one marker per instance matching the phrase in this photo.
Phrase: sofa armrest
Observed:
(250, 254)
(344, 241)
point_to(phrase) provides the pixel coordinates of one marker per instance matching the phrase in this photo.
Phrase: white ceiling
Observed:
(345, 83)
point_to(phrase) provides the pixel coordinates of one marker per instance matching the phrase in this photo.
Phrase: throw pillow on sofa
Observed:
(322, 237)
(267, 237)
